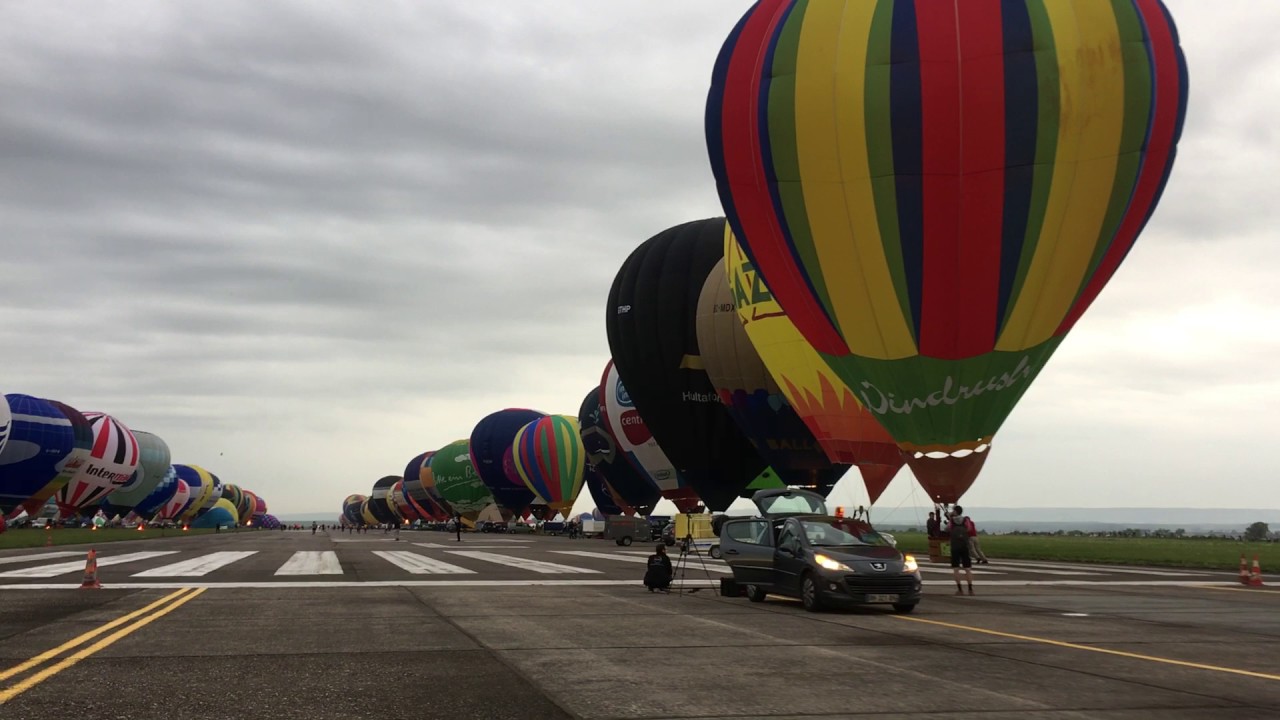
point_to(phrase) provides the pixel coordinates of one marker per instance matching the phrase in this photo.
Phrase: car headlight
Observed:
(909, 564)
(827, 563)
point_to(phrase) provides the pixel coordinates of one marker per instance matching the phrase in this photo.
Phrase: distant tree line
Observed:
(1256, 532)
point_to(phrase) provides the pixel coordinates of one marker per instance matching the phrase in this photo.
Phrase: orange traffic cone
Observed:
(91, 572)
(48, 536)
(1244, 570)
(1255, 576)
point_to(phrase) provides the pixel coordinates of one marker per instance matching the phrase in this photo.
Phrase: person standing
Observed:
(457, 525)
(959, 536)
(933, 529)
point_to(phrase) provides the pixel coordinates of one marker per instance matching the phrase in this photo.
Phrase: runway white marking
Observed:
(1044, 571)
(310, 562)
(40, 556)
(294, 584)
(690, 565)
(1047, 569)
(420, 564)
(947, 570)
(46, 571)
(538, 566)
(197, 567)
(469, 546)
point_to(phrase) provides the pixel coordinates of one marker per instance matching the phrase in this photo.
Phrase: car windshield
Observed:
(792, 503)
(842, 533)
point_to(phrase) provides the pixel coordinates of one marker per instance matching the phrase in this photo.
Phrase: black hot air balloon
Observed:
(652, 327)
(380, 503)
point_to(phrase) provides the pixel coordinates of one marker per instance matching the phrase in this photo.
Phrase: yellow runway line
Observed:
(16, 669)
(175, 602)
(1090, 648)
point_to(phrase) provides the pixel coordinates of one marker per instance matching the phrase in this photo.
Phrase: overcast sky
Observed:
(304, 241)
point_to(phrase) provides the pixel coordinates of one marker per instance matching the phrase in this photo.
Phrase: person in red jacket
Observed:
(975, 549)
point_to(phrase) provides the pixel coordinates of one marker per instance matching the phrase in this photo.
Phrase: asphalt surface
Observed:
(365, 626)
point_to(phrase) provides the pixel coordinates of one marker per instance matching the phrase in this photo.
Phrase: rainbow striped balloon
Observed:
(551, 459)
(936, 190)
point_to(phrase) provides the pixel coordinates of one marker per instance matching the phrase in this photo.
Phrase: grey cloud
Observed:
(321, 237)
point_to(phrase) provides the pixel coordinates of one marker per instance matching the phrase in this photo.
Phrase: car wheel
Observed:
(755, 593)
(904, 608)
(809, 593)
(714, 552)
(668, 543)
(625, 541)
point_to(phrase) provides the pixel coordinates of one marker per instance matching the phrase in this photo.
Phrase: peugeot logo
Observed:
(877, 566)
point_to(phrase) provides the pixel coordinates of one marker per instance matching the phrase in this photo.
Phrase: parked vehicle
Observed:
(626, 530)
(492, 526)
(795, 548)
(695, 533)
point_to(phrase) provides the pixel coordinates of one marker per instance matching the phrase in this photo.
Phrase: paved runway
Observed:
(349, 626)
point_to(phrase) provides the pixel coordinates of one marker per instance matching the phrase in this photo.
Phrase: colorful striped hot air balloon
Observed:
(400, 502)
(248, 501)
(937, 191)
(551, 459)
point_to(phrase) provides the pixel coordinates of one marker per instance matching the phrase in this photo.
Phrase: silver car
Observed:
(795, 548)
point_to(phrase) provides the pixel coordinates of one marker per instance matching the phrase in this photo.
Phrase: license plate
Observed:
(882, 598)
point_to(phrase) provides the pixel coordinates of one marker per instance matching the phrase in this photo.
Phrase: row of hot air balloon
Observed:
(921, 200)
(92, 462)
(524, 462)
(686, 410)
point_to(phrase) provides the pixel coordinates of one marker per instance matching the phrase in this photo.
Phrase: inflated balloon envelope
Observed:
(651, 322)
(752, 397)
(6, 420)
(847, 431)
(491, 455)
(637, 444)
(48, 444)
(938, 191)
(551, 460)
(629, 489)
(457, 480)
